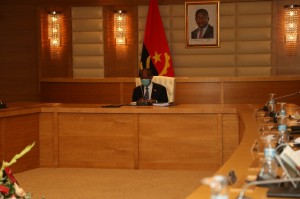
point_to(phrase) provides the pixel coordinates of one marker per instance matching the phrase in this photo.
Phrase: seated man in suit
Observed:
(204, 30)
(149, 91)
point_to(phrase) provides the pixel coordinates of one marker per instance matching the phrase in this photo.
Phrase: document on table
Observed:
(161, 104)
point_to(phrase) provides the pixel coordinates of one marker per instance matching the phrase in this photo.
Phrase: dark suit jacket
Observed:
(208, 34)
(159, 93)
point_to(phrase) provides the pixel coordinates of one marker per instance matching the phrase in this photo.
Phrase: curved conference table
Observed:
(244, 161)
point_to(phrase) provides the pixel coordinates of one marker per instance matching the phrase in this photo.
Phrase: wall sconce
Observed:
(120, 27)
(54, 34)
(291, 15)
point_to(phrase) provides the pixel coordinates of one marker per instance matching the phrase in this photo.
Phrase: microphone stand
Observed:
(273, 103)
(287, 95)
(272, 181)
(263, 182)
(284, 96)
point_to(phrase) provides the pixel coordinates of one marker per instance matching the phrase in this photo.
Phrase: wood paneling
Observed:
(126, 92)
(179, 141)
(230, 141)
(21, 50)
(188, 90)
(18, 54)
(18, 132)
(73, 93)
(196, 92)
(87, 135)
(48, 157)
(61, 66)
(120, 60)
(254, 92)
(97, 140)
(178, 137)
(102, 2)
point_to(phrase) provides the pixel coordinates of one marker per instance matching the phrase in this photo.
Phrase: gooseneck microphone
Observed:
(284, 96)
(263, 182)
(272, 103)
(292, 178)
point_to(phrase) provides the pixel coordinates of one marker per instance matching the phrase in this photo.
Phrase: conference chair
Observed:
(168, 82)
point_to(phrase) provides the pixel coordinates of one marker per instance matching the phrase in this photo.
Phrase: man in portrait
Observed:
(204, 30)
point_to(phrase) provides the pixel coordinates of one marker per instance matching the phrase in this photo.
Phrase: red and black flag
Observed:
(156, 52)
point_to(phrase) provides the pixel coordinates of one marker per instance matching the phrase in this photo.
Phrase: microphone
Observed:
(2, 105)
(284, 96)
(288, 178)
(263, 182)
(275, 98)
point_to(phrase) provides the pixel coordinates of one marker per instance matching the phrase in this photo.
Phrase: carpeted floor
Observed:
(74, 183)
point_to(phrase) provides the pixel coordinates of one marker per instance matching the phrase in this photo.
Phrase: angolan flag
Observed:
(156, 52)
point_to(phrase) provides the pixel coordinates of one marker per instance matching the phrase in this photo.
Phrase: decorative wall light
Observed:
(291, 15)
(54, 34)
(120, 27)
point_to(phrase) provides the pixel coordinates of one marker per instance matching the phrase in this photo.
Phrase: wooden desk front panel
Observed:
(180, 137)
(48, 140)
(180, 141)
(186, 141)
(96, 140)
(18, 132)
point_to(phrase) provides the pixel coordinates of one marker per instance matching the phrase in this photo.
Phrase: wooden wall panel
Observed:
(79, 92)
(61, 66)
(200, 92)
(257, 91)
(126, 92)
(120, 60)
(18, 54)
(188, 90)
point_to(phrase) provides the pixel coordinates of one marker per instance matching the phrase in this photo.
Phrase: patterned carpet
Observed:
(74, 183)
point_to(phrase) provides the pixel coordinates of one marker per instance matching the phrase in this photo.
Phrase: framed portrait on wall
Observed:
(202, 24)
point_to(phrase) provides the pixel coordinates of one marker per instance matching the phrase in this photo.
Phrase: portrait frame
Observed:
(211, 36)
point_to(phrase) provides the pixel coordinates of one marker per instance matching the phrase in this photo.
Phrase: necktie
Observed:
(147, 93)
(200, 33)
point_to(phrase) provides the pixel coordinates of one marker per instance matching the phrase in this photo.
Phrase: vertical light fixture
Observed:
(120, 27)
(54, 34)
(291, 15)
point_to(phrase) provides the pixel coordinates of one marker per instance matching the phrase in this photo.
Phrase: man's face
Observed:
(145, 78)
(201, 20)
(145, 75)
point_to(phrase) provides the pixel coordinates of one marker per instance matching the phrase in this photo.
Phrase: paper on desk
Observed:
(161, 104)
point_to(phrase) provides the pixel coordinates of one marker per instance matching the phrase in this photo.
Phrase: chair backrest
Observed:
(168, 82)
